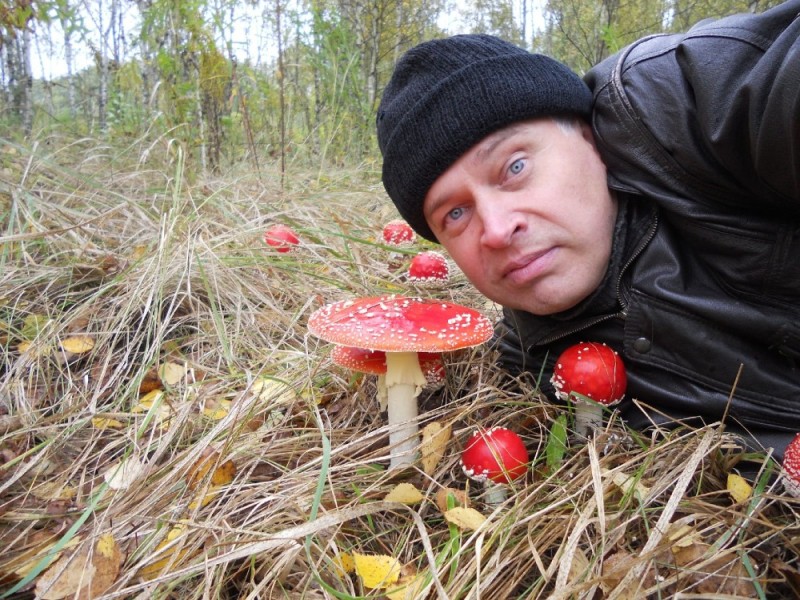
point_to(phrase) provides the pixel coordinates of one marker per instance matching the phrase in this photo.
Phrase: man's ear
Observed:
(586, 132)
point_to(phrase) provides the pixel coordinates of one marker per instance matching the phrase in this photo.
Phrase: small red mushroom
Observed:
(398, 233)
(591, 375)
(791, 467)
(429, 267)
(281, 237)
(401, 327)
(495, 456)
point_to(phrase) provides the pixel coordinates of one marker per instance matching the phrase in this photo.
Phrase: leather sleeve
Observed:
(712, 114)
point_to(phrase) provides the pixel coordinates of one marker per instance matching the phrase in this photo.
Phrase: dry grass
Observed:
(159, 270)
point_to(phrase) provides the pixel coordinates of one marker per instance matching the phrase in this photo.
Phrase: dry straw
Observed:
(158, 270)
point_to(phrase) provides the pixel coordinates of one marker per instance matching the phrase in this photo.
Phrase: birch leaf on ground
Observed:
(168, 552)
(738, 487)
(377, 570)
(77, 344)
(465, 518)
(404, 493)
(217, 409)
(447, 498)
(409, 585)
(172, 373)
(84, 574)
(106, 423)
(121, 475)
(434, 444)
(222, 472)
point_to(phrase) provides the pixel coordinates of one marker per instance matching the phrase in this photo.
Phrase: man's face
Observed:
(526, 214)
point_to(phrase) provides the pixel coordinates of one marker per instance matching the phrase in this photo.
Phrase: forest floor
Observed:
(169, 428)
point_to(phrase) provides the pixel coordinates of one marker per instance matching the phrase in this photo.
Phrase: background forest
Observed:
(270, 81)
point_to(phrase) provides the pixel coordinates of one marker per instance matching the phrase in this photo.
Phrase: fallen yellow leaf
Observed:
(122, 475)
(223, 472)
(434, 444)
(54, 490)
(344, 563)
(172, 373)
(409, 587)
(84, 574)
(106, 423)
(77, 344)
(628, 484)
(404, 493)
(377, 570)
(447, 498)
(738, 487)
(217, 409)
(203, 499)
(167, 551)
(163, 411)
(465, 518)
(277, 392)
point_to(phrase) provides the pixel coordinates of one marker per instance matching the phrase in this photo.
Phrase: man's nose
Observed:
(499, 223)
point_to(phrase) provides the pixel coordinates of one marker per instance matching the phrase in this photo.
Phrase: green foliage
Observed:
(337, 57)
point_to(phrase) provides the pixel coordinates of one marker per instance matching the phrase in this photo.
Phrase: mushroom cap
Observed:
(360, 359)
(281, 237)
(374, 362)
(593, 370)
(497, 454)
(791, 467)
(428, 266)
(398, 233)
(400, 324)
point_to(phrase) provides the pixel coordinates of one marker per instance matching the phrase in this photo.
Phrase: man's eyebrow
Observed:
(494, 141)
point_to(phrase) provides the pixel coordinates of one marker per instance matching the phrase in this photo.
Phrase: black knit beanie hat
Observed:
(446, 95)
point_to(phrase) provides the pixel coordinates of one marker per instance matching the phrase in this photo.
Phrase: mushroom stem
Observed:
(588, 416)
(494, 493)
(404, 380)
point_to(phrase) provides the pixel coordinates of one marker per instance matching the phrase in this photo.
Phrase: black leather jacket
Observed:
(701, 135)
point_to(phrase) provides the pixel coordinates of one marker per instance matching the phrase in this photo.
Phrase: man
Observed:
(653, 205)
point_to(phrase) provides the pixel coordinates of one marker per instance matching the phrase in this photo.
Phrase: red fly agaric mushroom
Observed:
(494, 456)
(374, 363)
(398, 233)
(401, 327)
(429, 267)
(791, 467)
(281, 237)
(591, 375)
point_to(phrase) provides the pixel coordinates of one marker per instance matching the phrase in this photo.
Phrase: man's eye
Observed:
(517, 166)
(455, 214)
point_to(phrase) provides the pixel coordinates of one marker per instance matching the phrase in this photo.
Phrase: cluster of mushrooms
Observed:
(401, 340)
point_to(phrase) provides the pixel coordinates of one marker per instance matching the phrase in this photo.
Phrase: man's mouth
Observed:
(528, 267)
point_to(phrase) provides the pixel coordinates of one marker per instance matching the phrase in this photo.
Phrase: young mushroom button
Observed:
(401, 327)
(492, 457)
(428, 268)
(591, 375)
(791, 467)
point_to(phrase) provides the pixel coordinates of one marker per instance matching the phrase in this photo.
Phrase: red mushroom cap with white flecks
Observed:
(400, 324)
(281, 237)
(591, 369)
(428, 267)
(374, 362)
(360, 359)
(497, 454)
(791, 467)
(432, 365)
(398, 233)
